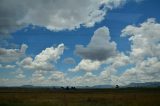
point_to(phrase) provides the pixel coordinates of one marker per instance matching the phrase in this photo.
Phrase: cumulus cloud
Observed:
(145, 40)
(100, 47)
(12, 55)
(86, 65)
(145, 52)
(44, 60)
(42, 64)
(53, 14)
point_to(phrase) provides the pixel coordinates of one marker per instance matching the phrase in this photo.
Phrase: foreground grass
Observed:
(103, 97)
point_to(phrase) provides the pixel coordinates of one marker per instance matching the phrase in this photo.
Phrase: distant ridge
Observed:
(103, 86)
(27, 86)
(133, 85)
(146, 84)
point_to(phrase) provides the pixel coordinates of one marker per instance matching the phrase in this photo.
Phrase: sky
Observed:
(79, 42)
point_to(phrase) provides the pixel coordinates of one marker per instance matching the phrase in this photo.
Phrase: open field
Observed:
(94, 97)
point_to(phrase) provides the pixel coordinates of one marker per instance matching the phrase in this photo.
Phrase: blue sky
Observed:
(37, 36)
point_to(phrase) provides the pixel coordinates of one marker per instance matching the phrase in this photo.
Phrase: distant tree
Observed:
(117, 86)
(73, 88)
(67, 88)
(62, 87)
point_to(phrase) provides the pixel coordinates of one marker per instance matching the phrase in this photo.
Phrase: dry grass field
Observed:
(99, 97)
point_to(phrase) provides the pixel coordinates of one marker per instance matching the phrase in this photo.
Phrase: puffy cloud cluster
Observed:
(42, 65)
(145, 39)
(145, 52)
(53, 14)
(44, 60)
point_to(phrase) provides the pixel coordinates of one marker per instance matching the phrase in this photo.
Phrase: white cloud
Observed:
(50, 54)
(44, 60)
(100, 47)
(86, 65)
(145, 39)
(53, 14)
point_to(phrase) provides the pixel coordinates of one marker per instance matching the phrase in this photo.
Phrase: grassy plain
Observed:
(79, 97)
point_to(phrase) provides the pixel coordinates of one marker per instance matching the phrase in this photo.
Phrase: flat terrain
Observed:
(89, 97)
